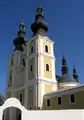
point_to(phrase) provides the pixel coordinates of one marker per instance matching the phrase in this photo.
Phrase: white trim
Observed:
(41, 45)
(47, 55)
(47, 80)
(35, 66)
(70, 99)
(41, 53)
(70, 85)
(42, 93)
(35, 94)
(54, 88)
(26, 96)
(42, 65)
(53, 70)
(52, 53)
(65, 91)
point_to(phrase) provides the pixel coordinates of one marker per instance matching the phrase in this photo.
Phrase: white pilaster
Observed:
(26, 86)
(42, 65)
(18, 59)
(52, 52)
(54, 87)
(42, 93)
(41, 44)
(53, 71)
(35, 94)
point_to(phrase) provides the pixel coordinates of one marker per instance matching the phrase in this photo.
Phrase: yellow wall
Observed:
(31, 73)
(65, 102)
(47, 74)
(47, 88)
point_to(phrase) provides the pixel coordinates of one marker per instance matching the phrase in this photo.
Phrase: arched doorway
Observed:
(12, 113)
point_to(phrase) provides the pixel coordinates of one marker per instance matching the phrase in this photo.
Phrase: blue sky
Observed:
(66, 27)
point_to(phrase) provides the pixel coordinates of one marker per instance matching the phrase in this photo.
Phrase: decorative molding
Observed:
(65, 91)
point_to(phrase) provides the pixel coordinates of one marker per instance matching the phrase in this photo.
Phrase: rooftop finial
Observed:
(64, 66)
(21, 29)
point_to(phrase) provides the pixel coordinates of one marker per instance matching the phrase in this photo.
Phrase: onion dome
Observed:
(65, 76)
(67, 79)
(39, 26)
(19, 40)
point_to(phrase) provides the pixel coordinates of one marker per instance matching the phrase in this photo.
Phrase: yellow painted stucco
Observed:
(79, 104)
(47, 74)
(31, 73)
(47, 88)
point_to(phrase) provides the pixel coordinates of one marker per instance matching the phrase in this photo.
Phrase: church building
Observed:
(32, 75)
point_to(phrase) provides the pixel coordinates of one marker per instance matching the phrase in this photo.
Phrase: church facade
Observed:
(32, 75)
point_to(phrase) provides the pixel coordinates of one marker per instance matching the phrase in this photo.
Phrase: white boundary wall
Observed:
(42, 115)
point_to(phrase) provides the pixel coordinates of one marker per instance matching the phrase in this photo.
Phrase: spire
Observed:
(19, 40)
(64, 66)
(75, 76)
(39, 26)
(21, 31)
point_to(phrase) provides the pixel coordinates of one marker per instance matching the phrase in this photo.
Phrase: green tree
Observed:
(2, 98)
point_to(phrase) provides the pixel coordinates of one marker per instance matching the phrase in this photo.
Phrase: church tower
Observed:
(43, 59)
(31, 71)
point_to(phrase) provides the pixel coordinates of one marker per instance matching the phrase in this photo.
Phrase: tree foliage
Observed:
(1, 99)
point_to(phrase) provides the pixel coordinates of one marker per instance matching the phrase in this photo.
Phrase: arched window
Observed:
(47, 67)
(46, 48)
(31, 68)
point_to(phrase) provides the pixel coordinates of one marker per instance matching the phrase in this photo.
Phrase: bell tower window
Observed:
(46, 48)
(47, 67)
(32, 49)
